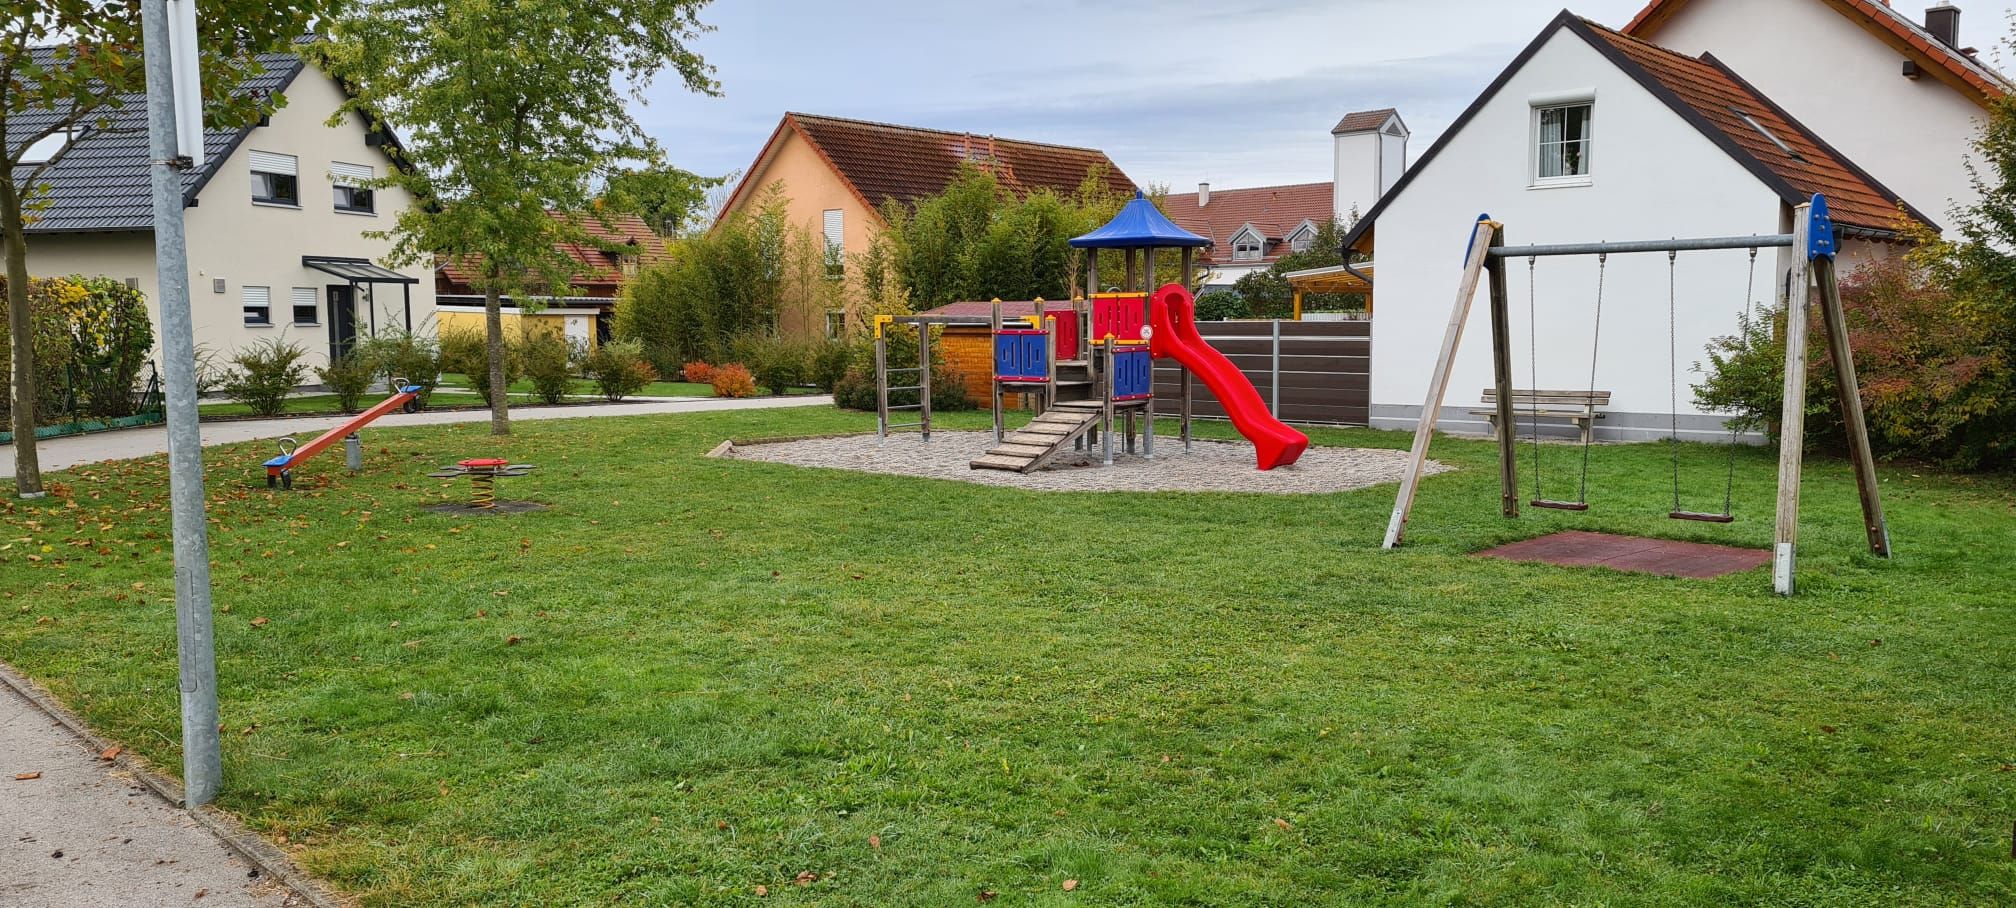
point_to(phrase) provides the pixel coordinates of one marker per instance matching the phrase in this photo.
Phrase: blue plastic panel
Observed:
(1021, 356)
(1819, 230)
(1133, 373)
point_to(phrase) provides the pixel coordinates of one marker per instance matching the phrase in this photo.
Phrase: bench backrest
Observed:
(1545, 398)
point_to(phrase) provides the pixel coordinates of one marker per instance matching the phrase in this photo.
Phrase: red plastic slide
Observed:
(1175, 337)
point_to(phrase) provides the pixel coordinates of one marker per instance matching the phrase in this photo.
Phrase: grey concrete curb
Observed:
(277, 867)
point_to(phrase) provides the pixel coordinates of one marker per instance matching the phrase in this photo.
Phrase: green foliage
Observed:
(777, 363)
(403, 357)
(977, 240)
(828, 364)
(510, 110)
(468, 351)
(348, 377)
(92, 338)
(263, 373)
(54, 351)
(714, 288)
(548, 360)
(1221, 305)
(618, 369)
(733, 380)
(671, 200)
(1268, 295)
(854, 388)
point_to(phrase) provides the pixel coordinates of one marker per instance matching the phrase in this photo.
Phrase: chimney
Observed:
(1943, 21)
(1203, 194)
(1369, 153)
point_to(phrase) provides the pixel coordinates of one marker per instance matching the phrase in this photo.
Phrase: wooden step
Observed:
(1052, 417)
(991, 462)
(1014, 448)
(1048, 428)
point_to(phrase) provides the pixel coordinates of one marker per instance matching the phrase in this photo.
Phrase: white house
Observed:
(1250, 229)
(1592, 135)
(275, 221)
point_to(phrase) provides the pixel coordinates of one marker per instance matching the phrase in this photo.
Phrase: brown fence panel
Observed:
(1325, 370)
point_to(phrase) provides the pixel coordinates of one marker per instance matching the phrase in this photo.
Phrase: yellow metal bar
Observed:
(1298, 304)
(882, 321)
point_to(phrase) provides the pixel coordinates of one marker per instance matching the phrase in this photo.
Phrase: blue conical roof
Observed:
(1139, 224)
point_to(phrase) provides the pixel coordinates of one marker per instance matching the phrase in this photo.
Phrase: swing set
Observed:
(1812, 241)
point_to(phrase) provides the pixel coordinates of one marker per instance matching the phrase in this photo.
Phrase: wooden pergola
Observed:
(1331, 279)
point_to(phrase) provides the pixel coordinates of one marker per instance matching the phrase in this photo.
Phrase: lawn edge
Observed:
(271, 861)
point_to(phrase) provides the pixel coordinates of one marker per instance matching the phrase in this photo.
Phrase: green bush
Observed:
(468, 352)
(855, 387)
(828, 363)
(778, 364)
(1222, 305)
(264, 373)
(548, 360)
(619, 369)
(48, 300)
(402, 356)
(110, 337)
(348, 377)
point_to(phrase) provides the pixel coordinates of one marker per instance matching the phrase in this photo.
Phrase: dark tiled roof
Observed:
(1878, 17)
(597, 269)
(1364, 120)
(1720, 100)
(1010, 309)
(101, 182)
(884, 162)
(1273, 210)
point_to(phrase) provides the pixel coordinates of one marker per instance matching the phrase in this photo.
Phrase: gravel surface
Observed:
(1211, 466)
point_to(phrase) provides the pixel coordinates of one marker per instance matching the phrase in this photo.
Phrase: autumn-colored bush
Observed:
(619, 369)
(697, 372)
(733, 380)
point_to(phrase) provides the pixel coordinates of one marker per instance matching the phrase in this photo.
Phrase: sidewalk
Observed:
(74, 450)
(82, 832)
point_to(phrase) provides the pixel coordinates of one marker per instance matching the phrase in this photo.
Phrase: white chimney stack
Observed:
(1203, 194)
(1369, 157)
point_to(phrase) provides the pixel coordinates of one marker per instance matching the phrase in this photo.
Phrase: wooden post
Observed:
(881, 384)
(1091, 279)
(924, 378)
(1851, 407)
(1297, 316)
(1501, 368)
(1127, 283)
(1792, 429)
(1481, 237)
(1185, 279)
(1147, 321)
(1184, 374)
(1106, 393)
(1274, 373)
(993, 338)
(1049, 356)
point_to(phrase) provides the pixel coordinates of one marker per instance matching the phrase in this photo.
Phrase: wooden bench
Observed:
(1578, 407)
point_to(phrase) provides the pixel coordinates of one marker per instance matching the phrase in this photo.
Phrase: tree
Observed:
(976, 240)
(512, 114)
(669, 199)
(50, 93)
(1267, 293)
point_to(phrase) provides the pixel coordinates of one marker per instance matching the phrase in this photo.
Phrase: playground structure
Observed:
(483, 473)
(280, 470)
(1090, 363)
(1811, 246)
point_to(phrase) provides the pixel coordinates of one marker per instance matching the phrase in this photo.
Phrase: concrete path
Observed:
(85, 833)
(75, 450)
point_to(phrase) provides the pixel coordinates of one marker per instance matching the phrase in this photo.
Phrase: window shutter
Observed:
(350, 174)
(258, 296)
(268, 162)
(836, 232)
(303, 296)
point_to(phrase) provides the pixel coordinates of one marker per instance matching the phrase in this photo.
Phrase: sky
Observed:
(1236, 93)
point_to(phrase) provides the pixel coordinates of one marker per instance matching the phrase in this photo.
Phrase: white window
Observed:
(305, 310)
(836, 242)
(1247, 247)
(347, 181)
(1561, 135)
(258, 305)
(275, 179)
(1302, 239)
(45, 149)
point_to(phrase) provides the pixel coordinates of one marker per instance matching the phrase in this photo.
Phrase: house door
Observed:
(578, 330)
(342, 320)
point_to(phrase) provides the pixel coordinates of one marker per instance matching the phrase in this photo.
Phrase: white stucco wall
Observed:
(1652, 176)
(1355, 172)
(229, 237)
(1846, 86)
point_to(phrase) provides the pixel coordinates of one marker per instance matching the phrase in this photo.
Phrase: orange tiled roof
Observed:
(1885, 23)
(1273, 210)
(598, 269)
(1364, 120)
(884, 162)
(1719, 100)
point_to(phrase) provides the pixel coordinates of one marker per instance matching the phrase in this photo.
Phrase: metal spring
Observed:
(482, 490)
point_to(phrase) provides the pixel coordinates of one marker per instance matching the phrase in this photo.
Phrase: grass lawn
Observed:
(303, 405)
(694, 677)
(587, 388)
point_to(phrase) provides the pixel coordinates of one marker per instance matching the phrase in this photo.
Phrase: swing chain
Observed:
(1673, 368)
(1533, 363)
(1595, 347)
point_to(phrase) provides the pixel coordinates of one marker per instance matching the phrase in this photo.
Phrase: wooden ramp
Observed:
(1046, 436)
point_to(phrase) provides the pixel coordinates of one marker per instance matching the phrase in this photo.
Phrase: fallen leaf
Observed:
(1281, 823)
(1070, 885)
(805, 878)
(111, 753)
(875, 842)
(261, 622)
(27, 776)
(986, 895)
(762, 891)
(1828, 729)
(513, 640)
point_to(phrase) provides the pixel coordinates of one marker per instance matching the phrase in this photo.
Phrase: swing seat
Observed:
(1559, 505)
(1702, 516)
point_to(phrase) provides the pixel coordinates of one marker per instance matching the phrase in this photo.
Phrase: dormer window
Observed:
(1303, 238)
(1247, 246)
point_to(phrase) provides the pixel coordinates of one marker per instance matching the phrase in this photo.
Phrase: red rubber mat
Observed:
(1637, 554)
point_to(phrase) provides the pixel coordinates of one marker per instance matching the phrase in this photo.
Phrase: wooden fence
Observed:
(1306, 371)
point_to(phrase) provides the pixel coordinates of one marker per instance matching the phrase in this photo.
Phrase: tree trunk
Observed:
(21, 332)
(493, 325)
